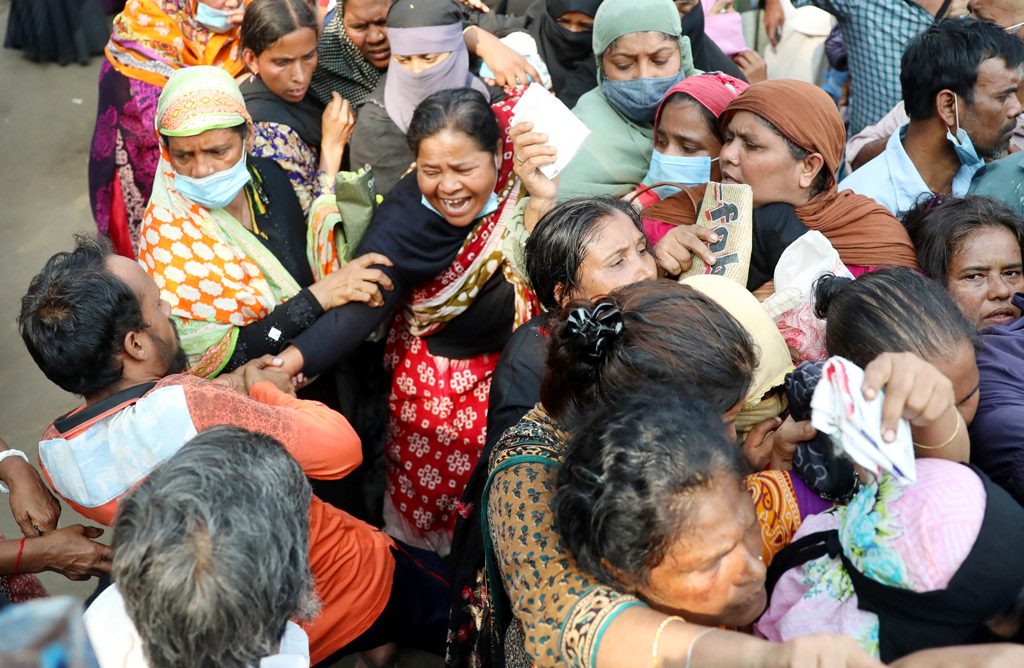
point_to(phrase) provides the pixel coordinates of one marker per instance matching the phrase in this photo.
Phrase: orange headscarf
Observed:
(863, 231)
(153, 38)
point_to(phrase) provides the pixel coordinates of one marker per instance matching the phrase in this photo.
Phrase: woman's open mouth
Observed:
(456, 207)
(1000, 316)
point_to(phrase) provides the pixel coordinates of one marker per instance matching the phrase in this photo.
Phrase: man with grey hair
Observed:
(96, 326)
(211, 561)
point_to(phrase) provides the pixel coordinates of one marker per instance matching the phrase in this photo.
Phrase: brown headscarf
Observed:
(862, 231)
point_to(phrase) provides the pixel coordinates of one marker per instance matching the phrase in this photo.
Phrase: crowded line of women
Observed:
(590, 392)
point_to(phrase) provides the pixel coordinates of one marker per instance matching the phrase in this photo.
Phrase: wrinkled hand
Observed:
(268, 368)
(73, 553)
(752, 65)
(774, 19)
(235, 16)
(35, 509)
(818, 651)
(357, 281)
(914, 389)
(969, 656)
(676, 249)
(757, 446)
(337, 121)
(476, 4)
(510, 67)
(785, 439)
(531, 152)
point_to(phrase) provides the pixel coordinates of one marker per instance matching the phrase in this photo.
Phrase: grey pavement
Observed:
(47, 114)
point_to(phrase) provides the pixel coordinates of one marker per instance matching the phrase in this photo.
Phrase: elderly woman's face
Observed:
(366, 24)
(712, 573)
(755, 155)
(682, 132)
(455, 176)
(205, 153)
(984, 274)
(641, 55)
(616, 254)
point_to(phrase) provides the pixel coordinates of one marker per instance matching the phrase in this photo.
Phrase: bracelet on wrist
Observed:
(956, 432)
(657, 637)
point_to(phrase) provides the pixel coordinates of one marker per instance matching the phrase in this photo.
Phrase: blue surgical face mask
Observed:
(489, 208)
(216, 190)
(214, 20)
(962, 142)
(686, 171)
(638, 99)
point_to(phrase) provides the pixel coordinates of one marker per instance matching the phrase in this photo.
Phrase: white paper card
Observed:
(839, 409)
(547, 113)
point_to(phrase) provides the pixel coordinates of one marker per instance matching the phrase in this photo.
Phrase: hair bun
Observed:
(826, 289)
(596, 328)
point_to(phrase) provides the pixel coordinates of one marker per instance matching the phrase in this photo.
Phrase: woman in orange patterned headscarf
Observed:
(151, 39)
(224, 236)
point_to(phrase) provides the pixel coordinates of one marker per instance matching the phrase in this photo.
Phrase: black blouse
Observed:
(421, 244)
(282, 226)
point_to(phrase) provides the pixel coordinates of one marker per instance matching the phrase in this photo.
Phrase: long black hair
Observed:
(267, 21)
(557, 246)
(939, 229)
(889, 310)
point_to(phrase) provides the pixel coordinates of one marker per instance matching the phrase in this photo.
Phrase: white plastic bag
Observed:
(792, 305)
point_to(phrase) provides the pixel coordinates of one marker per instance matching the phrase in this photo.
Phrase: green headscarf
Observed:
(615, 18)
(617, 155)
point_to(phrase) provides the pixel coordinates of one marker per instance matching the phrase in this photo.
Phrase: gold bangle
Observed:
(657, 636)
(947, 442)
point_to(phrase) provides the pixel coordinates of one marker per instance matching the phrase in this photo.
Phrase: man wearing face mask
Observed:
(641, 53)
(960, 79)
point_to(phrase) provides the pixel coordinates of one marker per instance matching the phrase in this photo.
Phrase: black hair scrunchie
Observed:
(598, 329)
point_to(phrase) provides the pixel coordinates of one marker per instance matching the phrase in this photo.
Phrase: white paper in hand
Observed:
(547, 113)
(839, 409)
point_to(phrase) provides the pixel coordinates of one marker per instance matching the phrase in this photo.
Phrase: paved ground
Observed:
(47, 113)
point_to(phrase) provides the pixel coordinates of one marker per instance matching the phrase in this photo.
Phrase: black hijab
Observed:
(909, 621)
(569, 55)
(706, 54)
(266, 107)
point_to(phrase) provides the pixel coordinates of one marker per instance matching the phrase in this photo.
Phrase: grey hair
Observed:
(211, 552)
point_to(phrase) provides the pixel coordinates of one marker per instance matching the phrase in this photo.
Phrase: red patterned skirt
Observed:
(437, 426)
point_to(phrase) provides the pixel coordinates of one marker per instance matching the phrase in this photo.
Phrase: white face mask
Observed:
(214, 20)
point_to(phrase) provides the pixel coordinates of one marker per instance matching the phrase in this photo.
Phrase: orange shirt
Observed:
(94, 455)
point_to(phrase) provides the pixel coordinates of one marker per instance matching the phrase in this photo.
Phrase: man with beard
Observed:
(96, 326)
(960, 79)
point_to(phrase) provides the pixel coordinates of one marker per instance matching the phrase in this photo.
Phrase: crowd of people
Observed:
(361, 372)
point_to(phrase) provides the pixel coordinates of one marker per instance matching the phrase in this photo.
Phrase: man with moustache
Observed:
(96, 326)
(960, 79)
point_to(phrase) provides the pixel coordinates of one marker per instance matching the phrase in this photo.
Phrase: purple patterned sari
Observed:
(123, 158)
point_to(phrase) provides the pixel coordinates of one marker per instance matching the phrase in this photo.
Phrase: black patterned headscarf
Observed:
(341, 67)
